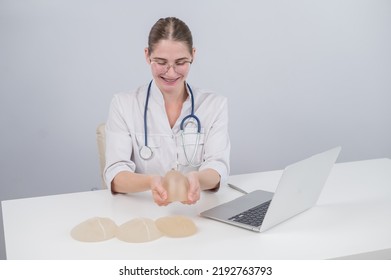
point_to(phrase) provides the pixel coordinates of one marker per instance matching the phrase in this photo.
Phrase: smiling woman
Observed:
(167, 125)
(170, 52)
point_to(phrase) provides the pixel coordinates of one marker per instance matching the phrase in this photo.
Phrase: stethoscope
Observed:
(146, 152)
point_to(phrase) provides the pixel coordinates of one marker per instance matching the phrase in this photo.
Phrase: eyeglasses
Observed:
(179, 66)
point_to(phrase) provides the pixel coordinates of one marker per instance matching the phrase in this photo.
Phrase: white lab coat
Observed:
(125, 134)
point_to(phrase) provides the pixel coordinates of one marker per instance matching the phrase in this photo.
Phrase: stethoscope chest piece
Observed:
(146, 152)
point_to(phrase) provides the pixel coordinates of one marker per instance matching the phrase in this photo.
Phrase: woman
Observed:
(149, 131)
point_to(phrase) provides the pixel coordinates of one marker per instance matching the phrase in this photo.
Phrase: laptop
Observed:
(298, 190)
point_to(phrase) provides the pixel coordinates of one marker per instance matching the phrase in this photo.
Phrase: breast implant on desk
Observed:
(142, 229)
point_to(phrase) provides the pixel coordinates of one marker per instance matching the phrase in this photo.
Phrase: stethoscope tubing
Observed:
(146, 152)
(146, 115)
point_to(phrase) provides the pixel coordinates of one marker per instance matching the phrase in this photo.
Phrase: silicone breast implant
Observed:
(176, 185)
(94, 230)
(176, 226)
(138, 230)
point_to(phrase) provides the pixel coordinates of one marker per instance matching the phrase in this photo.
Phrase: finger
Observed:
(194, 194)
(160, 192)
(162, 203)
(192, 198)
(188, 202)
(159, 200)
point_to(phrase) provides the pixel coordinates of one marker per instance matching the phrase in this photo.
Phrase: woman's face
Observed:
(170, 64)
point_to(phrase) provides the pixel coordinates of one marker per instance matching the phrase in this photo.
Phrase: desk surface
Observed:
(351, 217)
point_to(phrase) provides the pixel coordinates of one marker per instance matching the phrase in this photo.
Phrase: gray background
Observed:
(301, 76)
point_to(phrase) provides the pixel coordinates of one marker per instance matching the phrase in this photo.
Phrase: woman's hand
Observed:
(194, 192)
(159, 193)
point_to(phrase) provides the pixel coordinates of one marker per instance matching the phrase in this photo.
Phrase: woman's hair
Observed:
(170, 28)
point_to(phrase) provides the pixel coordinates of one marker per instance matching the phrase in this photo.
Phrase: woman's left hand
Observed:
(194, 192)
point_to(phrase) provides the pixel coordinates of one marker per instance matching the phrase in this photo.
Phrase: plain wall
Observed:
(301, 77)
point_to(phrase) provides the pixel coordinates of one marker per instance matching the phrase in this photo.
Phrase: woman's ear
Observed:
(193, 53)
(147, 54)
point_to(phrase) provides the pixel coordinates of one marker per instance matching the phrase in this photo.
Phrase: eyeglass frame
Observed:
(165, 63)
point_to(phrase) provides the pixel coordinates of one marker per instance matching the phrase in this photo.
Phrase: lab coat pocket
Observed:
(190, 147)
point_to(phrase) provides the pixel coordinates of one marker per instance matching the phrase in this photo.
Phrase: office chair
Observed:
(101, 141)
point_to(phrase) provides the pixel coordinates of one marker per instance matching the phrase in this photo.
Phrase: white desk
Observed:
(353, 216)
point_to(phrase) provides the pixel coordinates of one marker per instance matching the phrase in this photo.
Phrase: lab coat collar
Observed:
(157, 95)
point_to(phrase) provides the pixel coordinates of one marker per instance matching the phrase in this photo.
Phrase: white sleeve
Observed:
(119, 143)
(217, 144)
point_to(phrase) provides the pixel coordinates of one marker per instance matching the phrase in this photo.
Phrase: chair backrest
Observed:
(101, 141)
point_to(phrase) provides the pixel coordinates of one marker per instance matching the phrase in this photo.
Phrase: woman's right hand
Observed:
(159, 193)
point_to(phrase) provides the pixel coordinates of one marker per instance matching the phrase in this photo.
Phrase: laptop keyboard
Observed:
(254, 216)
